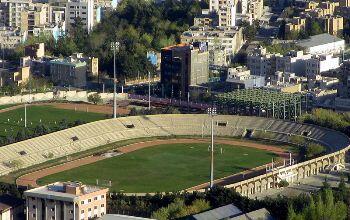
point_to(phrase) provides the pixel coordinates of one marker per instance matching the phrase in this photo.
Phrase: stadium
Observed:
(130, 146)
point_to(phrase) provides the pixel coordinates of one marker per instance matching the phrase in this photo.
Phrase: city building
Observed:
(293, 62)
(183, 66)
(11, 208)
(333, 25)
(322, 63)
(68, 72)
(65, 200)
(83, 9)
(14, 76)
(296, 24)
(11, 12)
(323, 44)
(230, 38)
(261, 63)
(11, 37)
(241, 78)
(285, 82)
(36, 51)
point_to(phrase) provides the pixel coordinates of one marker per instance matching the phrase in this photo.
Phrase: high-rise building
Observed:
(65, 200)
(83, 9)
(182, 66)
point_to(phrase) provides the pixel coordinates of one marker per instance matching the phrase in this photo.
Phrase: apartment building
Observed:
(333, 25)
(65, 200)
(229, 38)
(14, 76)
(262, 63)
(83, 9)
(296, 24)
(322, 63)
(323, 44)
(11, 37)
(11, 12)
(182, 66)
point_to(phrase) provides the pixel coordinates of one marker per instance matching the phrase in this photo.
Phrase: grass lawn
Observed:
(7, 106)
(13, 121)
(168, 167)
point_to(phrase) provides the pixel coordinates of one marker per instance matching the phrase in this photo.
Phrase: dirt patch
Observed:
(31, 178)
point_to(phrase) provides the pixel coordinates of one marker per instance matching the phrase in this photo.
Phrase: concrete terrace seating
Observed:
(92, 135)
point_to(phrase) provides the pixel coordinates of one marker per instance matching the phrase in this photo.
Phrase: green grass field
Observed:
(168, 167)
(6, 106)
(13, 121)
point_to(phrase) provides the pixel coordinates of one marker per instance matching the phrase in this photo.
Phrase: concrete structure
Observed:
(16, 76)
(68, 72)
(322, 63)
(297, 24)
(83, 9)
(11, 12)
(65, 200)
(113, 130)
(11, 37)
(265, 64)
(183, 66)
(333, 25)
(36, 51)
(230, 38)
(323, 44)
(241, 78)
(11, 208)
(285, 82)
(223, 212)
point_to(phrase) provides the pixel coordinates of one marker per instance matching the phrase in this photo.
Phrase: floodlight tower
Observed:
(212, 113)
(114, 47)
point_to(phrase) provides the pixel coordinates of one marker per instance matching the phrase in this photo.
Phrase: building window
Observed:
(70, 211)
(82, 211)
(34, 207)
(89, 200)
(52, 209)
(102, 213)
(102, 205)
(82, 202)
(52, 217)
(34, 215)
(103, 196)
(89, 209)
(95, 207)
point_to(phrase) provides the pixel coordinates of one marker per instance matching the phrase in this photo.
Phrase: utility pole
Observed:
(114, 47)
(212, 113)
(149, 90)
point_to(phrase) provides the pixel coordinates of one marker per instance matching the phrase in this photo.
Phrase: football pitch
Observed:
(164, 168)
(13, 121)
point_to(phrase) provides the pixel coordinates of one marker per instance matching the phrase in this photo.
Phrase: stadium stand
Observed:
(62, 143)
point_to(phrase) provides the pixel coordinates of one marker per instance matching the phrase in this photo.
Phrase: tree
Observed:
(315, 28)
(95, 98)
(314, 149)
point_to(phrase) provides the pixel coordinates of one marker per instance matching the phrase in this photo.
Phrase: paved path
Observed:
(31, 178)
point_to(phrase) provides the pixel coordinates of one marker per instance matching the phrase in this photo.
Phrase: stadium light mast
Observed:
(114, 47)
(149, 90)
(212, 113)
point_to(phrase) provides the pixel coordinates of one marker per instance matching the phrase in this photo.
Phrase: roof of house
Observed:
(222, 212)
(120, 217)
(319, 39)
(261, 214)
(7, 202)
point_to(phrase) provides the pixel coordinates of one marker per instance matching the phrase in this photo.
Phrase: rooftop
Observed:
(222, 212)
(64, 191)
(320, 39)
(120, 217)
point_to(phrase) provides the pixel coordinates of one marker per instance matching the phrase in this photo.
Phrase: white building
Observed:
(65, 200)
(323, 44)
(11, 37)
(293, 62)
(261, 63)
(240, 76)
(83, 9)
(229, 38)
(322, 63)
